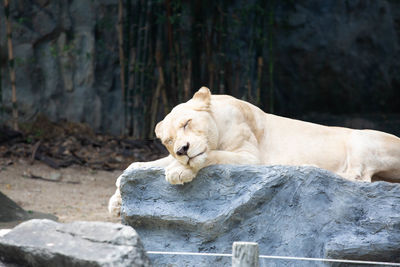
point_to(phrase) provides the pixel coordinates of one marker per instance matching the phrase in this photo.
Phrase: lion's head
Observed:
(189, 131)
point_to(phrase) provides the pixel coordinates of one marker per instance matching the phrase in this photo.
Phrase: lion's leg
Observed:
(114, 204)
(389, 165)
(378, 153)
(357, 170)
(389, 176)
(176, 173)
(228, 157)
(358, 176)
(163, 162)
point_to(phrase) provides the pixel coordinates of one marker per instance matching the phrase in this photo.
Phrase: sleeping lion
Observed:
(220, 129)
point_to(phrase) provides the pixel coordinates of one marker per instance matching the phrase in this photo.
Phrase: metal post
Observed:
(245, 254)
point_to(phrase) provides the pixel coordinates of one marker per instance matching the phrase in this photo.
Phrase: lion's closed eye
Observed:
(186, 124)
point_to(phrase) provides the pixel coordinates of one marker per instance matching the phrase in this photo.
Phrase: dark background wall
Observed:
(294, 58)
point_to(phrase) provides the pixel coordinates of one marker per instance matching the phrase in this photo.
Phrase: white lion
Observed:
(220, 129)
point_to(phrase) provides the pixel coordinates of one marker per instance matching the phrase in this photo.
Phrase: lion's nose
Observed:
(183, 150)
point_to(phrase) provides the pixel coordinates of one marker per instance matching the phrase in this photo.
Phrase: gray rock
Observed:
(66, 62)
(9, 210)
(288, 211)
(47, 243)
(12, 214)
(324, 50)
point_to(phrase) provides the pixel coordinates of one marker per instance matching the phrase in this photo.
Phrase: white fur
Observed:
(221, 129)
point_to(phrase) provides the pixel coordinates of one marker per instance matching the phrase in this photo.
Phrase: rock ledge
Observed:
(288, 211)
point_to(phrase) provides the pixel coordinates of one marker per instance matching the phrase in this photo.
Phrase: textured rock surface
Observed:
(47, 243)
(330, 51)
(66, 61)
(289, 211)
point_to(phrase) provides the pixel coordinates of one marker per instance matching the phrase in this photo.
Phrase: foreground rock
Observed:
(289, 211)
(47, 243)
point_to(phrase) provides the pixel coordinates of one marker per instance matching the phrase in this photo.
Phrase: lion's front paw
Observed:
(175, 175)
(114, 204)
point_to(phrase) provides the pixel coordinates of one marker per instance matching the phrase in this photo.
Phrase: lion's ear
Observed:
(203, 97)
(158, 130)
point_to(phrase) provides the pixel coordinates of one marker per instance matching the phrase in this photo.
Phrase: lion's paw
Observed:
(175, 175)
(114, 204)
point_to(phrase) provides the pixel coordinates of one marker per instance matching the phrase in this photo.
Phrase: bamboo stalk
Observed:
(172, 64)
(211, 74)
(179, 71)
(250, 64)
(121, 45)
(1, 94)
(134, 64)
(165, 100)
(126, 28)
(154, 104)
(161, 71)
(122, 60)
(160, 85)
(188, 80)
(271, 57)
(131, 85)
(139, 62)
(221, 57)
(209, 50)
(178, 54)
(142, 129)
(169, 25)
(249, 90)
(260, 63)
(11, 66)
(237, 79)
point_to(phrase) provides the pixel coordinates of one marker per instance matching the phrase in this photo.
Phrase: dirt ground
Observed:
(66, 169)
(75, 193)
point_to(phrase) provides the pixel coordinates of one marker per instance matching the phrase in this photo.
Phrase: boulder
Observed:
(10, 211)
(288, 211)
(12, 214)
(48, 243)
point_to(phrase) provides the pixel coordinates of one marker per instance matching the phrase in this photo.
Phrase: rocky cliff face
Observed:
(67, 61)
(288, 211)
(340, 56)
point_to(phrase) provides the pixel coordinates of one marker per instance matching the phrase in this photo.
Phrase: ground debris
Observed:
(52, 177)
(65, 143)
